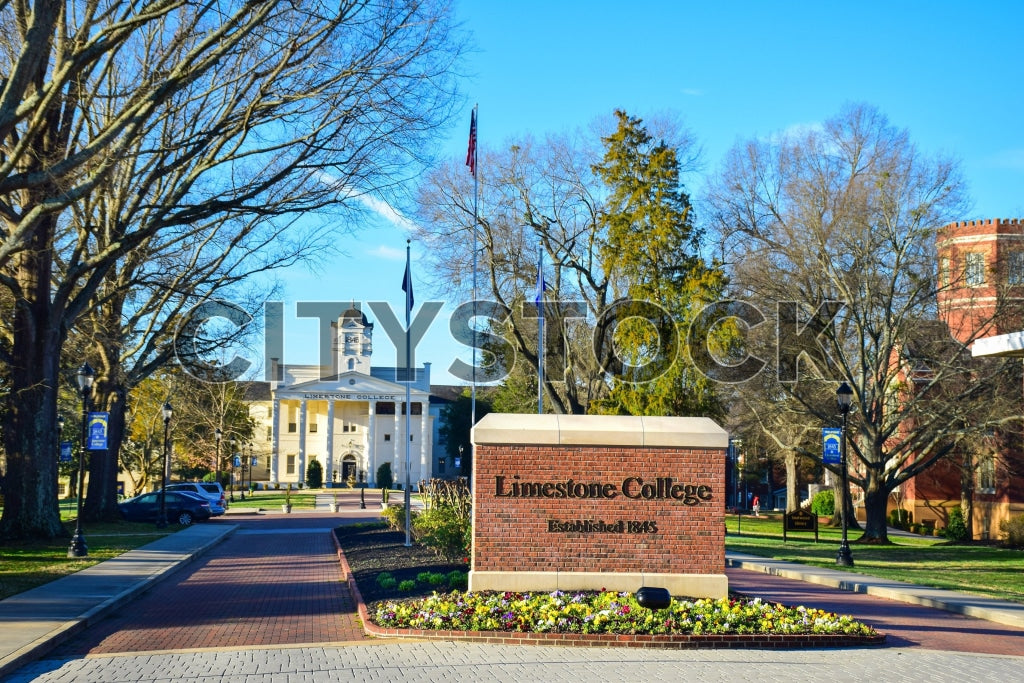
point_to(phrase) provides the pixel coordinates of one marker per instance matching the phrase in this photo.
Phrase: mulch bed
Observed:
(372, 549)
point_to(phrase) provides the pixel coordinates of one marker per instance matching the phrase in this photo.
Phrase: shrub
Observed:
(407, 585)
(445, 524)
(385, 480)
(956, 527)
(431, 578)
(900, 518)
(1013, 528)
(386, 581)
(457, 580)
(823, 504)
(314, 474)
(394, 515)
(382, 577)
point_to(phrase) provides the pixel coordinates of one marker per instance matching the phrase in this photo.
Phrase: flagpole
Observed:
(471, 161)
(540, 331)
(407, 286)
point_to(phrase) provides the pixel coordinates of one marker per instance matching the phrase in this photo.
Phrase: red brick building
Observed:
(980, 294)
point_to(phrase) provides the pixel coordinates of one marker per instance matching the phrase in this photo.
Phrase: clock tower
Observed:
(355, 342)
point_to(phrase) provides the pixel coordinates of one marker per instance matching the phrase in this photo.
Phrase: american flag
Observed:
(471, 152)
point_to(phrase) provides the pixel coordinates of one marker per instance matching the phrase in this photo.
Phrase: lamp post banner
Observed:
(98, 431)
(831, 442)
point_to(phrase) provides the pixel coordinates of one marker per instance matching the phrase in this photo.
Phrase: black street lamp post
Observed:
(247, 463)
(85, 377)
(844, 397)
(232, 454)
(362, 489)
(216, 458)
(161, 521)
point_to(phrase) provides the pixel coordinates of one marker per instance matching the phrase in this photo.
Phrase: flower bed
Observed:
(603, 619)
(607, 612)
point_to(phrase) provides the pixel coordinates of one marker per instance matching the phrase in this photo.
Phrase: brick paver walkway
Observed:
(267, 584)
(904, 625)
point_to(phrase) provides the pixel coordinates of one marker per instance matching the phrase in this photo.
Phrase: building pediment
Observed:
(349, 386)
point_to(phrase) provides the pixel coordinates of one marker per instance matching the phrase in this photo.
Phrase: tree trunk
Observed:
(101, 501)
(876, 501)
(30, 434)
(792, 492)
(967, 494)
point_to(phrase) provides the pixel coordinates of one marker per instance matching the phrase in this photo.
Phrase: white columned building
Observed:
(350, 417)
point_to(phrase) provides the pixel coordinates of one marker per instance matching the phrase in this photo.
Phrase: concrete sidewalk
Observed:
(34, 622)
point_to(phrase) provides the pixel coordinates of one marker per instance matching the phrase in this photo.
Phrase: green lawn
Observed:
(25, 565)
(923, 560)
(273, 500)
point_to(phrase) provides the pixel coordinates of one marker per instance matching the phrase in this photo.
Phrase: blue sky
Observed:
(951, 73)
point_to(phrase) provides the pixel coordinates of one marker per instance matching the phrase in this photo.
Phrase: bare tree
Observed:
(226, 111)
(539, 196)
(832, 233)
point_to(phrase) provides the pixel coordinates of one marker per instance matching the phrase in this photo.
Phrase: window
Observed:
(291, 427)
(290, 467)
(387, 437)
(386, 408)
(987, 474)
(974, 269)
(945, 269)
(351, 363)
(268, 463)
(417, 409)
(270, 412)
(270, 433)
(312, 427)
(1015, 268)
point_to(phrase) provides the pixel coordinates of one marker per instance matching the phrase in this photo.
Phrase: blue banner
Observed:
(236, 461)
(98, 431)
(65, 451)
(831, 445)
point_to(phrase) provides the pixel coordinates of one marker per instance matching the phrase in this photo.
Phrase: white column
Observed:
(275, 424)
(300, 466)
(371, 444)
(396, 459)
(330, 442)
(425, 439)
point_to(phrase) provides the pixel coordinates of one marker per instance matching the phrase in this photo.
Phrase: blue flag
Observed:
(407, 282)
(540, 281)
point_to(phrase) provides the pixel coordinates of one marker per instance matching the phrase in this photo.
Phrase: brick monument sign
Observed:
(585, 502)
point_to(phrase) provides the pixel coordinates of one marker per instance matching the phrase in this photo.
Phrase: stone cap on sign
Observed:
(599, 430)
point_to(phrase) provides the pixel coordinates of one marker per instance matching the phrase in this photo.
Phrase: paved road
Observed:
(267, 605)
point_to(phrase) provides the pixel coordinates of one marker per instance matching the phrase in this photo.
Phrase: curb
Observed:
(673, 642)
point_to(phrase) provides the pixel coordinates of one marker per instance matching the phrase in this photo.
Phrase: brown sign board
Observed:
(800, 520)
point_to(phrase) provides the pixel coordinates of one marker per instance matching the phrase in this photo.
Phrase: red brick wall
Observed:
(512, 533)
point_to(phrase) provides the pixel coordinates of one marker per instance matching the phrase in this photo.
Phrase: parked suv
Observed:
(212, 491)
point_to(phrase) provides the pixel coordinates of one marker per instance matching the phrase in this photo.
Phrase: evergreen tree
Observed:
(651, 255)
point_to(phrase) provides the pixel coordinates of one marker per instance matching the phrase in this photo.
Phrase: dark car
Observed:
(183, 508)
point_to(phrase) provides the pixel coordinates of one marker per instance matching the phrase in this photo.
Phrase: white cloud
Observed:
(387, 252)
(692, 92)
(387, 212)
